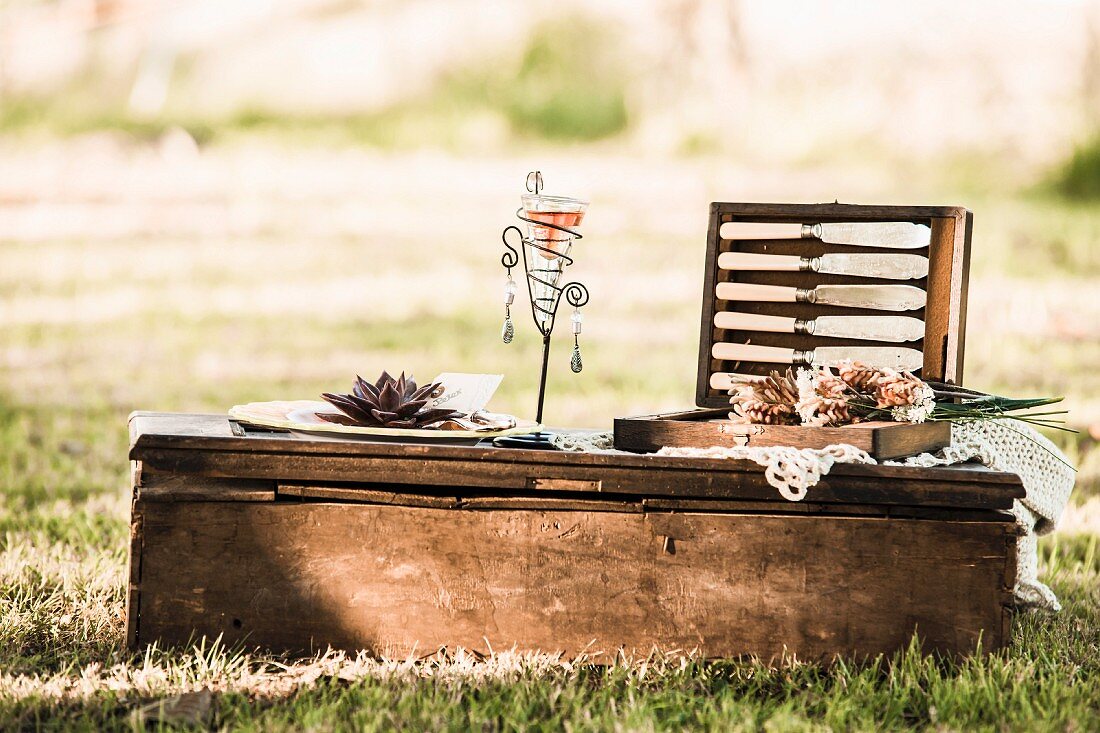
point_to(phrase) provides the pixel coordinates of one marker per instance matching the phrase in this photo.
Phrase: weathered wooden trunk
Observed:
(296, 544)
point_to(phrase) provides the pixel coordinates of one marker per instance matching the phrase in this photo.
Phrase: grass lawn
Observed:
(130, 283)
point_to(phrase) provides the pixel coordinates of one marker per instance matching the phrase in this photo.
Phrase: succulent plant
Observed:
(388, 403)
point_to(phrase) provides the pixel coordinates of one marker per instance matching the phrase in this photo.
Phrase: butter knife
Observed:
(887, 266)
(894, 357)
(867, 328)
(878, 297)
(893, 234)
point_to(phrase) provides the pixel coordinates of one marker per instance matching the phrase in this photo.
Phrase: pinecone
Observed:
(823, 399)
(831, 386)
(819, 410)
(768, 401)
(859, 377)
(758, 412)
(388, 403)
(897, 389)
(781, 387)
(835, 411)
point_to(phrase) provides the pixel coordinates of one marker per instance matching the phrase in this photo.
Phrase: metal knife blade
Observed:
(870, 328)
(879, 297)
(896, 234)
(890, 267)
(876, 356)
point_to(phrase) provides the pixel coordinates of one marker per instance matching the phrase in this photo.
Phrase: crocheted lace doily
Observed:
(1047, 476)
(1003, 445)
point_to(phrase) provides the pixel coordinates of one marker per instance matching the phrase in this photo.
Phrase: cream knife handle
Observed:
(767, 230)
(752, 352)
(763, 293)
(756, 322)
(767, 263)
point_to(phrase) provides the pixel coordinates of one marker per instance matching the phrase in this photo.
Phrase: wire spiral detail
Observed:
(575, 293)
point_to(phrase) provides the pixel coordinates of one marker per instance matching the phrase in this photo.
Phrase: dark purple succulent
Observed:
(388, 403)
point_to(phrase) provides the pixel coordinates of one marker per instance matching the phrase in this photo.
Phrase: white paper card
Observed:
(466, 392)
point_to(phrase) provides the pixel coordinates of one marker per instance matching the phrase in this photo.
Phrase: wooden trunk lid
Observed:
(182, 457)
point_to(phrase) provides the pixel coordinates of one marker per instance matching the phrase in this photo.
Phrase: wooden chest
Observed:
(295, 544)
(937, 342)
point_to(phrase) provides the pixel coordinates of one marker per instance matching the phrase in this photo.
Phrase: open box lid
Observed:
(944, 314)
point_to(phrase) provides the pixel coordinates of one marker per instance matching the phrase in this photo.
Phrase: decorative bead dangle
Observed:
(509, 331)
(576, 320)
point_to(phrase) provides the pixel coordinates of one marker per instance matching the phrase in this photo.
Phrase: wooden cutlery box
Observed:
(938, 337)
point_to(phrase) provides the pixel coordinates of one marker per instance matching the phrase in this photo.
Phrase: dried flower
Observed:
(767, 401)
(821, 398)
(920, 410)
(858, 376)
(818, 396)
(898, 389)
(829, 385)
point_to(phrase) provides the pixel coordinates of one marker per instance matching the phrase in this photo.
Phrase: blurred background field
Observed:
(203, 204)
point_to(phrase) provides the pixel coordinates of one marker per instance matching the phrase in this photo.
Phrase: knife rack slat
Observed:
(944, 314)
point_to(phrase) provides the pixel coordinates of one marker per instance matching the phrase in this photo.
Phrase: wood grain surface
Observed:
(405, 581)
(700, 429)
(203, 446)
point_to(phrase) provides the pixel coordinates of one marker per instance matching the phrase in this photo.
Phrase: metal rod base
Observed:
(542, 377)
(534, 441)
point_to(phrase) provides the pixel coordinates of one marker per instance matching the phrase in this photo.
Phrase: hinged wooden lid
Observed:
(199, 458)
(944, 314)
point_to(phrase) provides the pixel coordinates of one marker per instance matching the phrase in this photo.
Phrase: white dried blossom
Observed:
(806, 381)
(920, 410)
(811, 418)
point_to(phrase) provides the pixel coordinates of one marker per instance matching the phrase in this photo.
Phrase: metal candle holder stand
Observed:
(575, 294)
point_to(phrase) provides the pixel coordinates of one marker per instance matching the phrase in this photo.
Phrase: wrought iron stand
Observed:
(545, 294)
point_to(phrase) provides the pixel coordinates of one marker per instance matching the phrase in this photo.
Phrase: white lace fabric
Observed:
(1048, 478)
(585, 442)
(1003, 445)
(793, 471)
